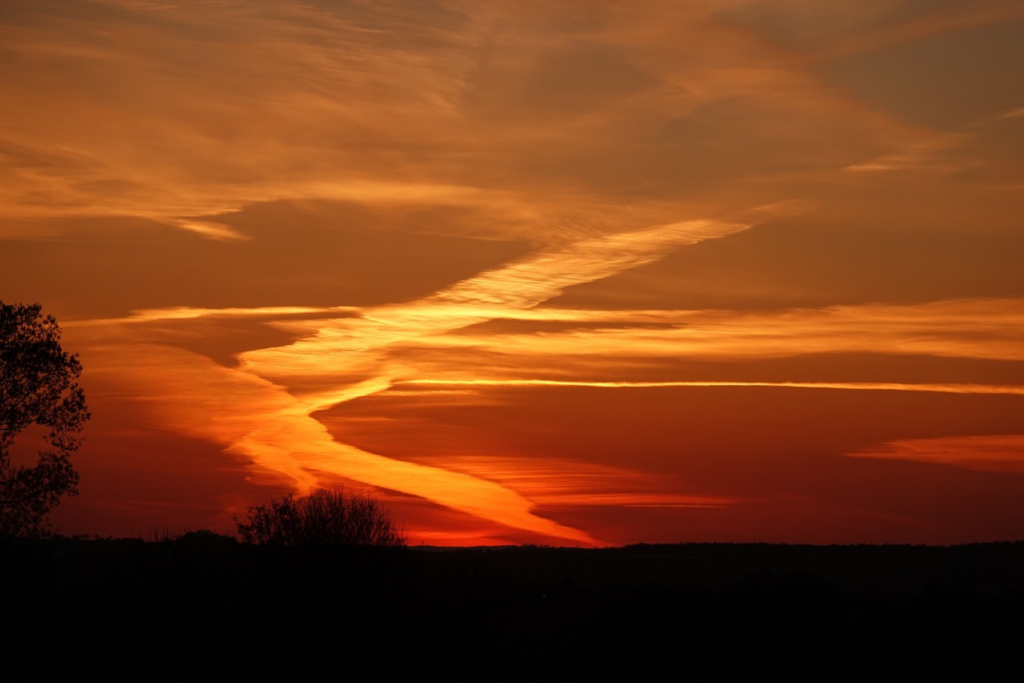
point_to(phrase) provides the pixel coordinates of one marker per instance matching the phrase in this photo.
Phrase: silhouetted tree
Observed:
(37, 387)
(327, 517)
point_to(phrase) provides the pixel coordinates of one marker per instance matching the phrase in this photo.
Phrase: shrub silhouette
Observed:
(327, 517)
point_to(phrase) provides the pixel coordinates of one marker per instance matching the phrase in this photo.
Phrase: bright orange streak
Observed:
(862, 386)
(520, 285)
(193, 313)
(352, 345)
(965, 328)
(265, 424)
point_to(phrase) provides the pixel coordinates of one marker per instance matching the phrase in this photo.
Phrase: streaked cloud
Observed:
(519, 285)
(943, 154)
(191, 313)
(861, 386)
(273, 430)
(137, 110)
(880, 31)
(971, 328)
(217, 231)
(985, 453)
(564, 482)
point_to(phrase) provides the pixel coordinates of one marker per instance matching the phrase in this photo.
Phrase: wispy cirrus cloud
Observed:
(985, 453)
(884, 25)
(945, 153)
(144, 110)
(274, 431)
(947, 388)
(967, 328)
(517, 286)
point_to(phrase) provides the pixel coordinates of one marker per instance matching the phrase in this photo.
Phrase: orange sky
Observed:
(566, 273)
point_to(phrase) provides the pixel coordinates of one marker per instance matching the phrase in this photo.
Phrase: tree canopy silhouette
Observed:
(38, 388)
(327, 517)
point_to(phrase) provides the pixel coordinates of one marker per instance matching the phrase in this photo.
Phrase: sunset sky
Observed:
(564, 272)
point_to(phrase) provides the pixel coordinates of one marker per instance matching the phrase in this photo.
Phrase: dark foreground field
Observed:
(205, 597)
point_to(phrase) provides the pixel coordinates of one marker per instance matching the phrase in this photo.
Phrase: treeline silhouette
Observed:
(532, 603)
